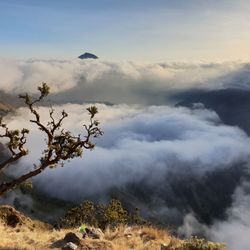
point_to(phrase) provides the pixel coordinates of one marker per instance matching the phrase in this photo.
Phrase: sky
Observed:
(143, 30)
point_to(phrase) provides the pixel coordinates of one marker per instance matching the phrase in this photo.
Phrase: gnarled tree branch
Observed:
(61, 145)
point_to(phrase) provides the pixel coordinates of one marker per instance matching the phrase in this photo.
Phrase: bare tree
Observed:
(61, 145)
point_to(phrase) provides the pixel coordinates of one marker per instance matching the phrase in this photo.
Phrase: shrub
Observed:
(100, 215)
(195, 243)
(111, 214)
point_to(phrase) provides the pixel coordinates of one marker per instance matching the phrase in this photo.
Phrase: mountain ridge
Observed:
(88, 55)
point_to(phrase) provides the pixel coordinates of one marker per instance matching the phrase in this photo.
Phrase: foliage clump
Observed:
(195, 243)
(100, 215)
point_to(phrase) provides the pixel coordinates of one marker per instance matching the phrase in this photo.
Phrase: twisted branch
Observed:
(61, 145)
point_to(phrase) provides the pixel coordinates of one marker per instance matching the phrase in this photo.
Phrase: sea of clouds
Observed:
(145, 144)
(119, 82)
(146, 137)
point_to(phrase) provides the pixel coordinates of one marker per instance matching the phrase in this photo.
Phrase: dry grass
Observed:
(138, 237)
(122, 238)
(27, 234)
(35, 235)
(24, 238)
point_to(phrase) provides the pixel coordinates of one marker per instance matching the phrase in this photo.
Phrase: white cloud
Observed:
(128, 82)
(139, 143)
(236, 229)
(233, 231)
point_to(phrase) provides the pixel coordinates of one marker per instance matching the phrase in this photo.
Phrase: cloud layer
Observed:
(118, 82)
(139, 144)
(144, 145)
(233, 231)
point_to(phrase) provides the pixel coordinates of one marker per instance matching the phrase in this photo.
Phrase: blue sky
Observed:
(151, 30)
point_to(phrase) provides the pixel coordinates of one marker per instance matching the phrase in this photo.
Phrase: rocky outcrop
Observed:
(69, 246)
(72, 237)
(94, 233)
(93, 241)
(11, 217)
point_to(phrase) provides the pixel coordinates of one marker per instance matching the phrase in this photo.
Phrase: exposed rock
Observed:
(70, 246)
(88, 56)
(11, 216)
(72, 237)
(164, 246)
(94, 233)
(13, 220)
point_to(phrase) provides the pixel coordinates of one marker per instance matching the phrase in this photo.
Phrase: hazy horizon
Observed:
(156, 31)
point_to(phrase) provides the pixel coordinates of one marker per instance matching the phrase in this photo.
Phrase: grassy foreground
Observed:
(18, 232)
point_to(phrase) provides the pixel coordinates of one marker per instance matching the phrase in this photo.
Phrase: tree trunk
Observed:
(4, 187)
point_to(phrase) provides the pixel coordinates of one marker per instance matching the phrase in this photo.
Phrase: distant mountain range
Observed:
(88, 56)
(9, 102)
(232, 105)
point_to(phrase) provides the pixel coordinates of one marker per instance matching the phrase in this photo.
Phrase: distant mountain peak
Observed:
(88, 56)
